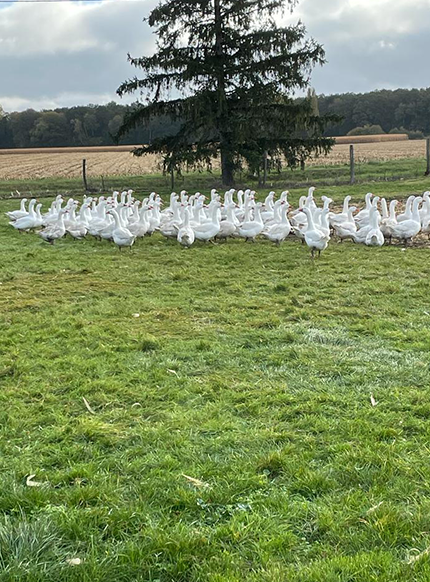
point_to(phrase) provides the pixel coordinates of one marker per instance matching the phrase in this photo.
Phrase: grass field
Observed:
(244, 367)
(393, 176)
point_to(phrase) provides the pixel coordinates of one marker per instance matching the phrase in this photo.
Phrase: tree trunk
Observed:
(227, 163)
(265, 156)
(227, 166)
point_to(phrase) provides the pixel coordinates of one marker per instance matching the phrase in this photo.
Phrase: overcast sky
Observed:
(63, 54)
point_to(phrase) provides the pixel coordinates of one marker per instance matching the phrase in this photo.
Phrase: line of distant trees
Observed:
(90, 125)
(399, 111)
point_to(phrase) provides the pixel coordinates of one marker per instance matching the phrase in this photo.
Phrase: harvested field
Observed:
(68, 163)
(68, 150)
(374, 152)
(371, 138)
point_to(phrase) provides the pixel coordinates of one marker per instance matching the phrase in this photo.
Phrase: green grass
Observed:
(248, 368)
(378, 173)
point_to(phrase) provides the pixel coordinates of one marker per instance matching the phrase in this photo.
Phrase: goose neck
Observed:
(311, 223)
(345, 204)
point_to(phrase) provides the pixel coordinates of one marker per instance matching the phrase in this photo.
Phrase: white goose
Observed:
(279, 232)
(343, 216)
(389, 221)
(346, 230)
(32, 220)
(314, 238)
(52, 214)
(229, 225)
(99, 220)
(425, 209)
(79, 228)
(208, 230)
(186, 235)
(15, 214)
(363, 216)
(140, 228)
(252, 228)
(361, 234)
(122, 237)
(374, 237)
(407, 214)
(55, 230)
(407, 229)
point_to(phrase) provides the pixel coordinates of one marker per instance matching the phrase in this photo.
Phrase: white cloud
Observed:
(387, 44)
(18, 103)
(68, 27)
(369, 44)
(56, 54)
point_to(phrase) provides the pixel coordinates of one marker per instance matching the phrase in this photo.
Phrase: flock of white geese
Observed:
(121, 218)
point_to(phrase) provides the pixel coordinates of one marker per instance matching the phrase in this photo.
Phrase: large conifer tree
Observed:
(228, 72)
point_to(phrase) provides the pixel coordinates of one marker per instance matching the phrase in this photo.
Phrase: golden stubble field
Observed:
(68, 163)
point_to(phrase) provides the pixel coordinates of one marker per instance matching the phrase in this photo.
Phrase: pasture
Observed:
(225, 413)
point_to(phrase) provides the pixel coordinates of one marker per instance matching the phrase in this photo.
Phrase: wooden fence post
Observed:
(351, 164)
(427, 172)
(84, 174)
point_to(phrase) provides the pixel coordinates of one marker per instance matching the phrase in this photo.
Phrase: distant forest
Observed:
(399, 111)
(402, 110)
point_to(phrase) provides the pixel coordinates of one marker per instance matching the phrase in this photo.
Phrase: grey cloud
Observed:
(89, 59)
(65, 54)
(369, 44)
